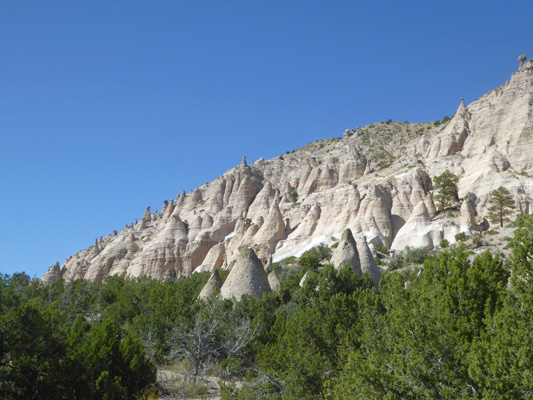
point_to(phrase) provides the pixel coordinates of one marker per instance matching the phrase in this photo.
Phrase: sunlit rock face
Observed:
(247, 277)
(346, 253)
(212, 286)
(375, 181)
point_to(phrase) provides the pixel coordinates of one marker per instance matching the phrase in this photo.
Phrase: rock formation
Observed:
(247, 276)
(274, 282)
(418, 231)
(346, 253)
(376, 181)
(53, 274)
(368, 264)
(212, 286)
(215, 257)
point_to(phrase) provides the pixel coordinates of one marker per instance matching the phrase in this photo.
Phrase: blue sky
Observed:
(107, 107)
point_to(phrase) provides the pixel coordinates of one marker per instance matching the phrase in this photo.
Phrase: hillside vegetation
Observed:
(453, 328)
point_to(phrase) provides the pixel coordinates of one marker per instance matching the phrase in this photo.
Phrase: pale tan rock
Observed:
(454, 136)
(375, 211)
(53, 275)
(329, 186)
(430, 205)
(353, 168)
(273, 228)
(346, 253)
(215, 257)
(164, 208)
(308, 225)
(212, 286)
(468, 220)
(262, 203)
(416, 231)
(320, 178)
(195, 227)
(274, 282)
(304, 278)
(247, 276)
(368, 264)
(145, 220)
(368, 169)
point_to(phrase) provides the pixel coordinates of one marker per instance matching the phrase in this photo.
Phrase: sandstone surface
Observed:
(346, 253)
(212, 286)
(247, 276)
(273, 281)
(375, 180)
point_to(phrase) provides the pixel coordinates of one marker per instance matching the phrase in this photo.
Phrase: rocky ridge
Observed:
(375, 181)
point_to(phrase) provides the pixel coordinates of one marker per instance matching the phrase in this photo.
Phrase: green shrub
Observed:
(381, 248)
(312, 258)
(417, 255)
(289, 260)
(276, 267)
(396, 262)
(460, 237)
(287, 274)
(444, 243)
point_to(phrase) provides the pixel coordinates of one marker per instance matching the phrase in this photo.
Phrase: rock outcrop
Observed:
(274, 282)
(368, 263)
(376, 181)
(247, 276)
(346, 253)
(53, 274)
(419, 231)
(212, 286)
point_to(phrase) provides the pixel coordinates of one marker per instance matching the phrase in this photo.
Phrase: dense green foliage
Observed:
(458, 328)
(455, 330)
(84, 340)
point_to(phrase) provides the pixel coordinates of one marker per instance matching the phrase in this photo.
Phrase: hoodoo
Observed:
(376, 179)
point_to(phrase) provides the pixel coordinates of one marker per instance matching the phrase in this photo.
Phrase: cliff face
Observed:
(371, 181)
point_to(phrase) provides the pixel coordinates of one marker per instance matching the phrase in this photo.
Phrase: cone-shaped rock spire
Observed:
(52, 275)
(346, 253)
(246, 277)
(212, 286)
(368, 264)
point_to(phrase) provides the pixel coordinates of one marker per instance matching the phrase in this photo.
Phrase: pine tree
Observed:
(446, 184)
(502, 205)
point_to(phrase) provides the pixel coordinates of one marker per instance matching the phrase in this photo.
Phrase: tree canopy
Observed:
(446, 186)
(460, 327)
(501, 205)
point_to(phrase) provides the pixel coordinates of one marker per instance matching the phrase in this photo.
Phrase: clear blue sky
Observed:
(107, 107)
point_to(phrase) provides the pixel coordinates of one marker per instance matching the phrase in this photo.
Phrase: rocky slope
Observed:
(376, 181)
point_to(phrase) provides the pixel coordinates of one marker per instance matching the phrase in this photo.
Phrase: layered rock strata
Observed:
(375, 181)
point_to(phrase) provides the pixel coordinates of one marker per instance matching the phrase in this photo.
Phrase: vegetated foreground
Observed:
(456, 328)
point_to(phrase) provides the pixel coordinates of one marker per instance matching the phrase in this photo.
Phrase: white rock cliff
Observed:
(375, 181)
